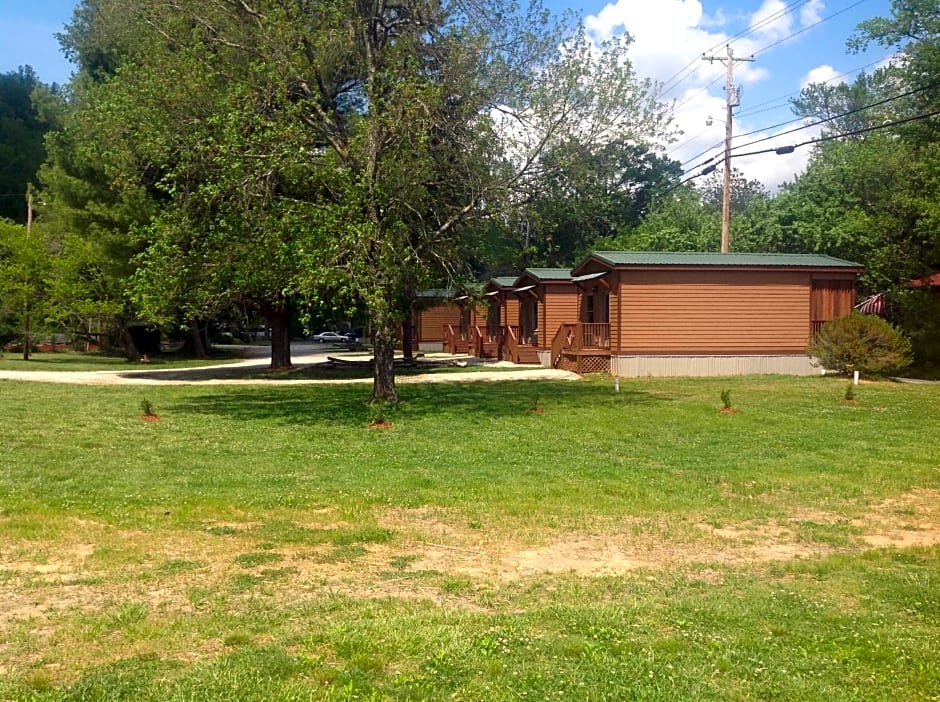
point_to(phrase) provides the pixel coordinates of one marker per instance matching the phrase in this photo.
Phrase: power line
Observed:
(761, 50)
(879, 103)
(832, 137)
(782, 150)
(810, 26)
(754, 110)
(752, 29)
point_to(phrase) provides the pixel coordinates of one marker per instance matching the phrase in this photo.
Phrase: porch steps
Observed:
(528, 354)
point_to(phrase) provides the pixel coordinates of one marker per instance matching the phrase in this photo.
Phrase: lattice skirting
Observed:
(595, 364)
(589, 364)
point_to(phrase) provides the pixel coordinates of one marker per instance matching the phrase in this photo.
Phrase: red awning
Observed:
(932, 281)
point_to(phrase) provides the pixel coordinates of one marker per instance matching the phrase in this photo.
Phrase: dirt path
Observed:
(303, 355)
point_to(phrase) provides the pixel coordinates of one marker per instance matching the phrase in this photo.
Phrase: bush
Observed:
(917, 313)
(862, 343)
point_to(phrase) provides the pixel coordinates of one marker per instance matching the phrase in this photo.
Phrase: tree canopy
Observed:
(350, 149)
(22, 128)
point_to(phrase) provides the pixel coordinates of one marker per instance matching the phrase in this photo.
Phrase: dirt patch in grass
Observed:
(910, 520)
(429, 556)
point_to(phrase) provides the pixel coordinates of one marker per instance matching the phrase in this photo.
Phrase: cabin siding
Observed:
(559, 303)
(667, 312)
(431, 322)
(831, 298)
(510, 311)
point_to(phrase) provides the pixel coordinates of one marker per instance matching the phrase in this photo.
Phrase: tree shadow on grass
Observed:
(466, 402)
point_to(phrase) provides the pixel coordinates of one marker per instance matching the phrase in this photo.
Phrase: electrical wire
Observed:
(765, 48)
(808, 27)
(781, 150)
(832, 137)
(879, 103)
(754, 110)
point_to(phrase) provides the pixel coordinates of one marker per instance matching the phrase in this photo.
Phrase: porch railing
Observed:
(479, 338)
(594, 335)
(451, 338)
(564, 340)
(510, 343)
(580, 336)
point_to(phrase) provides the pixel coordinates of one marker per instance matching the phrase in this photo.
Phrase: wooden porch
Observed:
(582, 347)
(457, 340)
(514, 346)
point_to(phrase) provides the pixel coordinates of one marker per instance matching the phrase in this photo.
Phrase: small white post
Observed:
(616, 384)
(855, 378)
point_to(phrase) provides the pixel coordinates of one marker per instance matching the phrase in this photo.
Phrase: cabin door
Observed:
(493, 318)
(529, 320)
(596, 307)
(465, 312)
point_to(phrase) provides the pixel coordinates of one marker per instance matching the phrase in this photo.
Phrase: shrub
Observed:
(726, 399)
(917, 313)
(863, 343)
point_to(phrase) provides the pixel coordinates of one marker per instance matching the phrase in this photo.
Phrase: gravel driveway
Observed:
(257, 360)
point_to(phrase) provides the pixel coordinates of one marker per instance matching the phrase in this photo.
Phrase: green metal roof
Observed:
(503, 281)
(547, 273)
(660, 258)
(436, 292)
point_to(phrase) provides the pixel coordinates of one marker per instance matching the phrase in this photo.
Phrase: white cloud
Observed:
(772, 21)
(820, 74)
(644, 18)
(769, 168)
(670, 37)
(811, 12)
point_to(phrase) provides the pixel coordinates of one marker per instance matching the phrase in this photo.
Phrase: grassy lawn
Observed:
(75, 361)
(262, 543)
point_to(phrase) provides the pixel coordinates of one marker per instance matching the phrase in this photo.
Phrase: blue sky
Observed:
(793, 41)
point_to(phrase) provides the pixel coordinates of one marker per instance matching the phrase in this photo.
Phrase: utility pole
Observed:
(29, 226)
(733, 100)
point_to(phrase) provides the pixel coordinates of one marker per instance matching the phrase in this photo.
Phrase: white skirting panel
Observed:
(431, 346)
(545, 358)
(665, 366)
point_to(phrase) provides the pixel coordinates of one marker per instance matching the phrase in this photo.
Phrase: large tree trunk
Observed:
(278, 318)
(383, 383)
(129, 346)
(195, 334)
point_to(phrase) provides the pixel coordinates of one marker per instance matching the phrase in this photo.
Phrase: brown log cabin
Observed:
(658, 314)
(434, 311)
(502, 313)
(546, 299)
(448, 320)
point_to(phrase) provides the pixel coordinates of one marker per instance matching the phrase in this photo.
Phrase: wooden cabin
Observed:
(450, 321)
(501, 310)
(434, 312)
(464, 336)
(546, 299)
(646, 313)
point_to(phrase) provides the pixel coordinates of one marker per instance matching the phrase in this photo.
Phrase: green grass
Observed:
(75, 361)
(261, 543)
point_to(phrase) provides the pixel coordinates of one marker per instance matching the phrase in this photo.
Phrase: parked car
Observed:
(330, 337)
